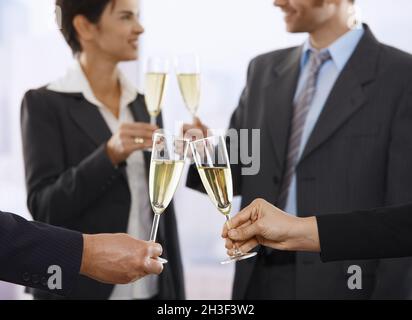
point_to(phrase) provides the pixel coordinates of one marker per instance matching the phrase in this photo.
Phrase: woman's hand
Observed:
(263, 224)
(131, 137)
(195, 131)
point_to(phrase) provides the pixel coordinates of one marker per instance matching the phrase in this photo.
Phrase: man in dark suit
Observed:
(31, 251)
(366, 234)
(335, 120)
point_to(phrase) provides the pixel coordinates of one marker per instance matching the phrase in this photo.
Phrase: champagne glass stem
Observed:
(236, 251)
(153, 121)
(155, 226)
(194, 114)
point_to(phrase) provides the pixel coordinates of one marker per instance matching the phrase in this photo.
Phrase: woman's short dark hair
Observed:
(68, 9)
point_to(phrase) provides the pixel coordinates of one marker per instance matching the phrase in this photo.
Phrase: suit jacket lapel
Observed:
(347, 96)
(139, 111)
(279, 94)
(89, 120)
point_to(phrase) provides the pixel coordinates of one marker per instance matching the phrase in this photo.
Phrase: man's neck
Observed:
(101, 74)
(324, 36)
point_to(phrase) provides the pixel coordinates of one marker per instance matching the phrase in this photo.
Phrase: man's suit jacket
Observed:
(72, 183)
(368, 234)
(28, 249)
(357, 157)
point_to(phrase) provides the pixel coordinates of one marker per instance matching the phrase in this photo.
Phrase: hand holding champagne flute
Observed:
(213, 165)
(188, 75)
(157, 71)
(166, 168)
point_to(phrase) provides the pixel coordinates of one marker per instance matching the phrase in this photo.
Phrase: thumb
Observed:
(243, 233)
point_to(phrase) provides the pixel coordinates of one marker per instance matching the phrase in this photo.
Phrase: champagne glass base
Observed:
(239, 257)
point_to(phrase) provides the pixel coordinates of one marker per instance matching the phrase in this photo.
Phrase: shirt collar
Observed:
(75, 81)
(341, 50)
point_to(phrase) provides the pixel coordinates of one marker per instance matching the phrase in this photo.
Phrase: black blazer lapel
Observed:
(347, 96)
(279, 94)
(139, 111)
(89, 119)
(91, 122)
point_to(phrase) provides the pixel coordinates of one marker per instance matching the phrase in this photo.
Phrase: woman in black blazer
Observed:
(84, 138)
(365, 234)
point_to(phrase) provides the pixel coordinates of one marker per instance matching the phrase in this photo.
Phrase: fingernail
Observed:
(160, 249)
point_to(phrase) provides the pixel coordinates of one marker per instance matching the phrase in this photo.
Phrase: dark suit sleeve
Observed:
(28, 249)
(391, 273)
(372, 234)
(58, 193)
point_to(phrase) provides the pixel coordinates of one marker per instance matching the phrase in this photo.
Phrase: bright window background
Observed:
(226, 34)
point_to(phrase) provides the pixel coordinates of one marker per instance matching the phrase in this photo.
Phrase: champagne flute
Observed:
(157, 70)
(212, 162)
(166, 168)
(188, 75)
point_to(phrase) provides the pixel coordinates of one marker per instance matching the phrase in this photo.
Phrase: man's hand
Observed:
(130, 138)
(119, 258)
(263, 224)
(195, 131)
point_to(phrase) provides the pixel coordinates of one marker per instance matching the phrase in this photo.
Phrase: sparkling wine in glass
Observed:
(157, 71)
(188, 75)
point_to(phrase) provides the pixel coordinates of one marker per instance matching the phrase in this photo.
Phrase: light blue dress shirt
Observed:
(341, 51)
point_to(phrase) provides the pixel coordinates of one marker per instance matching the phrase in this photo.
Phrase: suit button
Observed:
(44, 281)
(35, 278)
(26, 277)
(276, 179)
